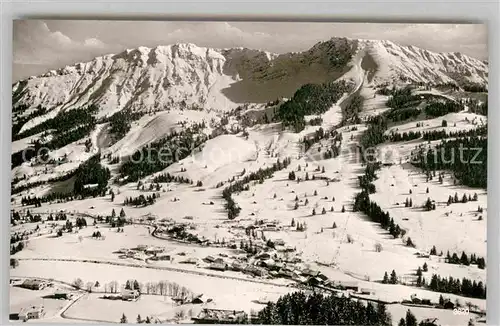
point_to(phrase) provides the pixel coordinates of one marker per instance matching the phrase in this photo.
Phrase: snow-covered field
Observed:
(345, 246)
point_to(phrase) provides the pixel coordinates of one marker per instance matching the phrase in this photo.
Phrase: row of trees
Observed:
(442, 134)
(464, 259)
(362, 203)
(242, 185)
(141, 200)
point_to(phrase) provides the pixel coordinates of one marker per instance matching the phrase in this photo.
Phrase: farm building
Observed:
(366, 291)
(33, 312)
(218, 266)
(219, 316)
(191, 260)
(162, 257)
(348, 285)
(33, 284)
(237, 266)
(199, 299)
(128, 294)
(209, 259)
(153, 250)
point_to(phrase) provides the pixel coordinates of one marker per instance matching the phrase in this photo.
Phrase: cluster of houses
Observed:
(141, 252)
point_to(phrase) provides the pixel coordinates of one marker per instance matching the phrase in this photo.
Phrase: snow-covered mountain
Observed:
(185, 75)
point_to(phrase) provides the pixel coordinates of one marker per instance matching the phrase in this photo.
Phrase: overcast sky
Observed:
(43, 45)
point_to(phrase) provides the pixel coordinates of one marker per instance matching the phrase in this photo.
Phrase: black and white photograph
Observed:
(239, 172)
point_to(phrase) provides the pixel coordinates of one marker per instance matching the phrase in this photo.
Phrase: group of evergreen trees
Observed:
(474, 87)
(465, 260)
(402, 98)
(299, 308)
(16, 248)
(402, 114)
(307, 100)
(373, 136)
(466, 287)
(141, 200)
(466, 157)
(167, 177)
(393, 279)
(405, 136)
(465, 199)
(119, 123)
(91, 172)
(437, 109)
(351, 109)
(242, 185)
(160, 154)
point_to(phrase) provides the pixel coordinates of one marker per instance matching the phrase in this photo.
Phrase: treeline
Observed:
(442, 134)
(299, 308)
(307, 100)
(232, 208)
(466, 287)
(160, 154)
(362, 203)
(466, 157)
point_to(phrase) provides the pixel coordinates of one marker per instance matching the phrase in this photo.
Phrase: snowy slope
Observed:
(418, 65)
(140, 79)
